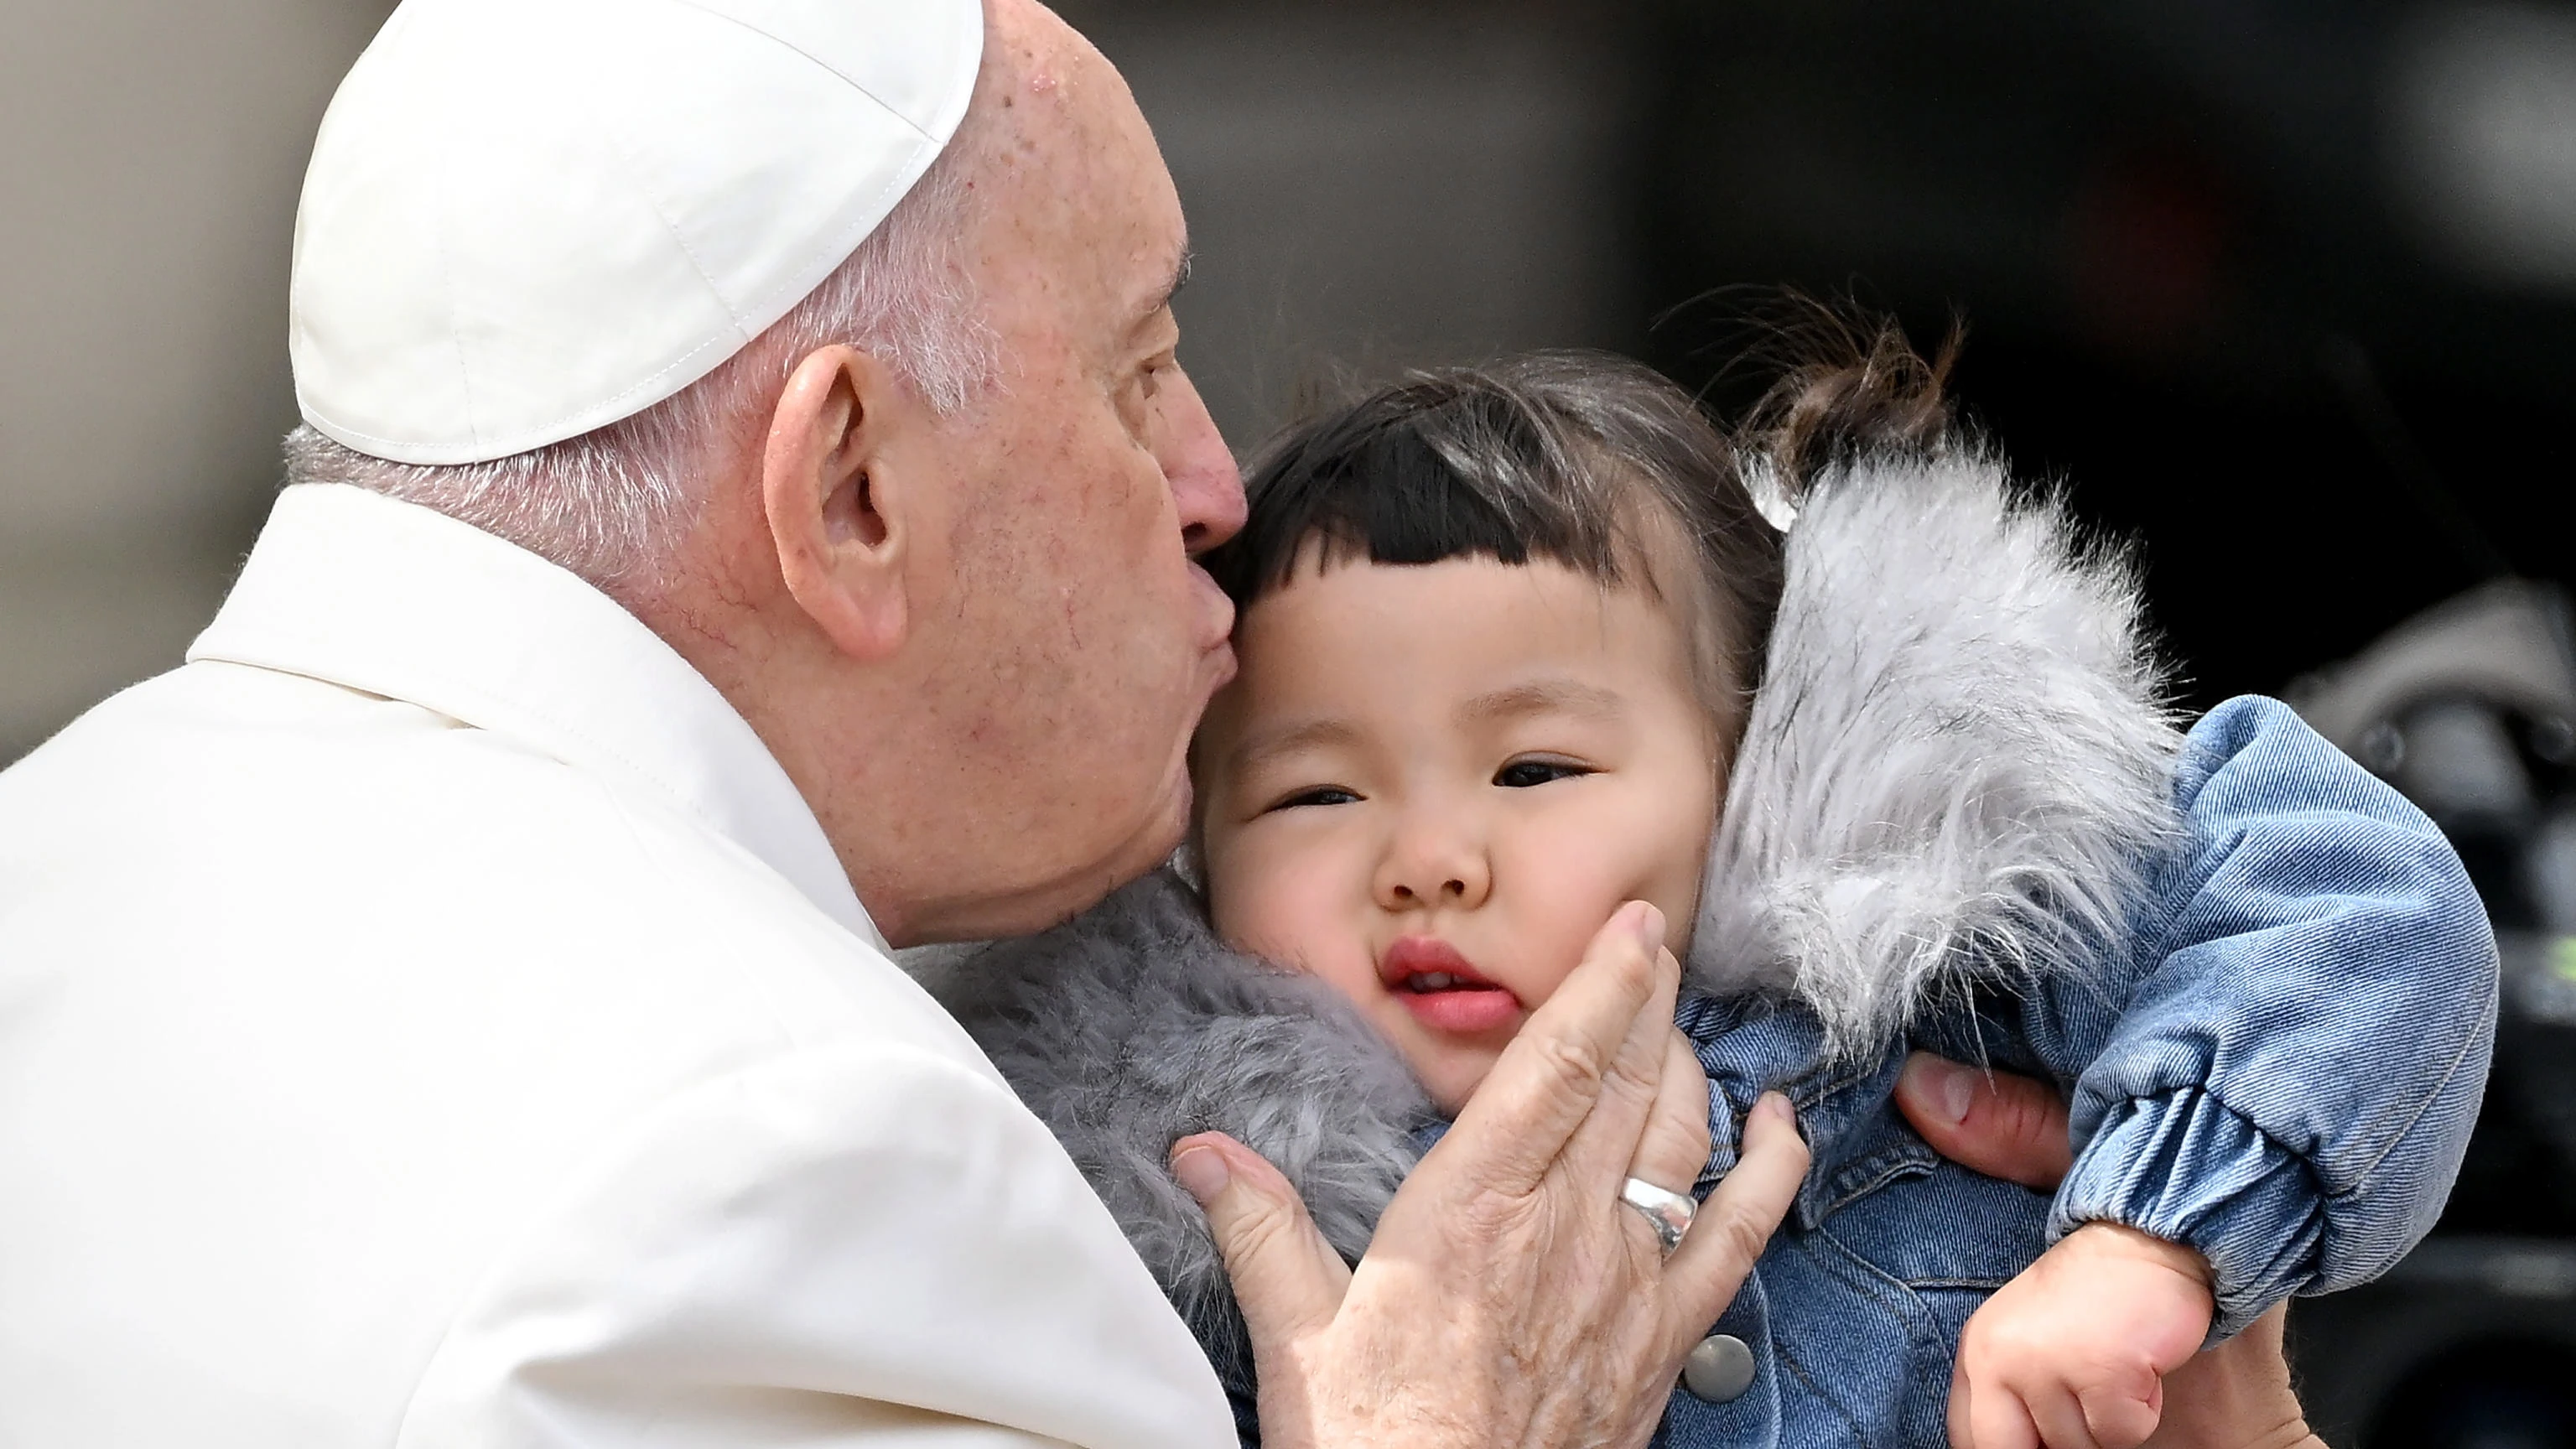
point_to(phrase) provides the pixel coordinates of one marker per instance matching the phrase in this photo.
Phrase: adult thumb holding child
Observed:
(1509, 1295)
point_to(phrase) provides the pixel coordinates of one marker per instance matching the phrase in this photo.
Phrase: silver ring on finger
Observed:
(1670, 1213)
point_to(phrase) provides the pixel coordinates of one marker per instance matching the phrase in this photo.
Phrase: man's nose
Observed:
(1207, 489)
(1433, 860)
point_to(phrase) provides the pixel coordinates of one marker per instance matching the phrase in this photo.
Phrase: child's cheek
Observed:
(1576, 894)
(1578, 898)
(1272, 901)
(1239, 901)
(1557, 944)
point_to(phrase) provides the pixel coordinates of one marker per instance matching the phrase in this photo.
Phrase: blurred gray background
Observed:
(150, 154)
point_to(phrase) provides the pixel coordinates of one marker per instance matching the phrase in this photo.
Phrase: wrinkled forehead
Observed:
(1081, 216)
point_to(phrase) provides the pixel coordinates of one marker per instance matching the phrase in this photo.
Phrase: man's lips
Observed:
(1216, 611)
(1215, 638)
(1442, 989)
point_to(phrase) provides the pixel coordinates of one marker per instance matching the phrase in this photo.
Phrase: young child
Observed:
(1520, 645)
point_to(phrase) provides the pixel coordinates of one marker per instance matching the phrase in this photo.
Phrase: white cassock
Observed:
(431, 1018)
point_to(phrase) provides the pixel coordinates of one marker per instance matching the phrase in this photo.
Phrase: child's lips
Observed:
(1442, 989)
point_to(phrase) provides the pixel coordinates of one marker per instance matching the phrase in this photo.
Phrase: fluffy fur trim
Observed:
(1957, 765)
(1132, 1027)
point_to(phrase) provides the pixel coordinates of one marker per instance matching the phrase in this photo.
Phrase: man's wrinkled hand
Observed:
(1509, 1297)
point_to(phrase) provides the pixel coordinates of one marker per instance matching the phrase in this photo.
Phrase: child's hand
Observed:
(2072, 1354)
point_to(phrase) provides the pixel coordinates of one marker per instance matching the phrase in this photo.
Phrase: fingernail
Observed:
(1775, 1105)
(1650, 927)
(1202, 1170)
(1953, 1087)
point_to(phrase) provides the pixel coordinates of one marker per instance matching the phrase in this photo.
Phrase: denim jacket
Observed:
(2282, 1073)
(2260, 975)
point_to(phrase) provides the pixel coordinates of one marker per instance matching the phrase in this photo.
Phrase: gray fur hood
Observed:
(1954, 771)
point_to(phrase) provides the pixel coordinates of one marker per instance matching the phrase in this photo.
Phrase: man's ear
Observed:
(842, 512)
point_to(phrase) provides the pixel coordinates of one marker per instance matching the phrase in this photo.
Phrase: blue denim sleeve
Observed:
(2290, 1082)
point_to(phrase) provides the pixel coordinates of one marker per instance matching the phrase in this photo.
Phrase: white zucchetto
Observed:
(526, 219)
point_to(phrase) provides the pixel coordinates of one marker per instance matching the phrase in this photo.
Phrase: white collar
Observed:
(355, 589)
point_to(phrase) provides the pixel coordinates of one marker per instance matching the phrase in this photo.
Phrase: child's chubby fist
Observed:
(2072, 1354)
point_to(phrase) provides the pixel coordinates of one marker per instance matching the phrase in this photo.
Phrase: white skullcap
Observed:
(526, 219)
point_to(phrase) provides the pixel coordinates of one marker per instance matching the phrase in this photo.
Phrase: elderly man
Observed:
(743, 523)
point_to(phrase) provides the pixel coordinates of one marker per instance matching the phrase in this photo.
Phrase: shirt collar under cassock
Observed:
(356, 589)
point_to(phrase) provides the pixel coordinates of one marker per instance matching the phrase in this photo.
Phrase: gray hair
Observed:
(614, 503)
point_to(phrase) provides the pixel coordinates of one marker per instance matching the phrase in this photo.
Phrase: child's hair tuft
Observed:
(1849, 385)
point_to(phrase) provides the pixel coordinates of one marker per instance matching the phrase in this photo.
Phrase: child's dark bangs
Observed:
(1441, 469)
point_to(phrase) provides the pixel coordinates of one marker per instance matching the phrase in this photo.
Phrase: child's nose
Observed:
(1428, 868)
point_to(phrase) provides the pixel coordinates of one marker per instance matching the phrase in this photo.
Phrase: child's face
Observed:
(1430, 785)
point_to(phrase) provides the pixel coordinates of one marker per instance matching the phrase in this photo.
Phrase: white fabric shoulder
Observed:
(435, 1008)
(828, 1246)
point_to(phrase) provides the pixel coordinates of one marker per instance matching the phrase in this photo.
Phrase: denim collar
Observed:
(1749, 1046)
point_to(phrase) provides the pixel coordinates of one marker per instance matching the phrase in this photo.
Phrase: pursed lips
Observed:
(1216, 627)
(1216, 633)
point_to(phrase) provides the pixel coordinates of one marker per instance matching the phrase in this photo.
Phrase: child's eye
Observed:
(1522, 774)
(1320, 795)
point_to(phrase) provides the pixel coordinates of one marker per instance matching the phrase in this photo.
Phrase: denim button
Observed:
(1720, 1369)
